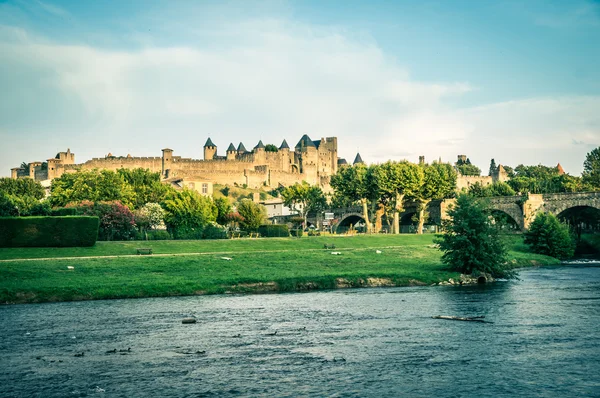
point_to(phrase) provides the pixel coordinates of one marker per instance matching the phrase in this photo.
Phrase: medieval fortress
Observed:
(311, 161)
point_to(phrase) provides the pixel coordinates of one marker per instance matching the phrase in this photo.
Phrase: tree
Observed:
(22, 187)
(493, 168)
(146, 186)
(151, 215)
(353, 184)
(91, 185)
(470, 242)
(271, 148)
(253, 215)
(303, 198)
(499, 188)
(187, 212)
(468, 169)
(547, 235)
(439, 182)
(394, 181)
(223, 209)
(591, 169)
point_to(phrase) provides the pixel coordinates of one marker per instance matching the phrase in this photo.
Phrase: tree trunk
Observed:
(422, 205)
(397, 209)
(378, 215)
(366, 216)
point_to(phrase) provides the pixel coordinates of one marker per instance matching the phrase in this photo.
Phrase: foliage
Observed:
(297, 232)
(591, 169)
(15, 206)
(468, 169)
(146, 186)
(271, 148)
(470, 242)
(92, 185)
(499, 188)
(22, 187)
(149, 216)
(274, 230)
(214, 231)
(493, 168)
(439, 182)
(352, 184)
(253, 214)
(116, 220)
(543, 179)
(159, 234)
(547, 235)
(304, 198)
(187, 212)
(223, 209)
(48, 231)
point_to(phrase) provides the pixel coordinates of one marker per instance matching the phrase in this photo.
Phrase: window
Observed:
(204, 188)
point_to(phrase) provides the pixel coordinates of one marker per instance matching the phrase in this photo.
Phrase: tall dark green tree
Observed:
(470, 242)
(493, 168)
(547, 235)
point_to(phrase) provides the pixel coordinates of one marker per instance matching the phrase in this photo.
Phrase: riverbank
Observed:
(112, 269)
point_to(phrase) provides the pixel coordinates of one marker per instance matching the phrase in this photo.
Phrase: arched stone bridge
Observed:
(522, 209)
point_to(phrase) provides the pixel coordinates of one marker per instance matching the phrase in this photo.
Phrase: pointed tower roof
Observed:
(209, 143)
(241, 148)
(342, 162)
(284, 145)
(560, 169)
(231, 148)
(357, 159)
(260, 145)
(305, 142)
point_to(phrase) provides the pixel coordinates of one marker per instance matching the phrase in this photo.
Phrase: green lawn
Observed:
(274, 264)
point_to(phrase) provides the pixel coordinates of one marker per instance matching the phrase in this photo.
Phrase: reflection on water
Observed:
(543, 341)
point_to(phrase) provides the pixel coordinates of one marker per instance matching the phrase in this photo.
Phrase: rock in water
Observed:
(188, 320)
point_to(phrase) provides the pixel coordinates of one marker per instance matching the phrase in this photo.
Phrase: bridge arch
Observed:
(347, 220)
(509, 206)
(501, 216)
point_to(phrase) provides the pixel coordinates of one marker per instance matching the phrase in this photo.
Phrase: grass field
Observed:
(113, 270)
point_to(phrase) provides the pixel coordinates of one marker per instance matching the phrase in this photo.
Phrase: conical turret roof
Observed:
(284, 145)
(209, 143)
(241, 148)
(260, 145)
(357, 159)
(305, 142)
(560, 169)
(231, 148)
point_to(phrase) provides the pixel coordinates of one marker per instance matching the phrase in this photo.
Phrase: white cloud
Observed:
(267, 80)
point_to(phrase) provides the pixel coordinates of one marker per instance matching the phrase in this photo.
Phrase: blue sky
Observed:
(511, 80)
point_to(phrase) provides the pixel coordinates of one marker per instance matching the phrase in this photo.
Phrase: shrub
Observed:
(274, 230)
(214, 231)
(116, 220)
(547, 235)
(48, 231)
(64, 211)
(297, 232)
(160, 234)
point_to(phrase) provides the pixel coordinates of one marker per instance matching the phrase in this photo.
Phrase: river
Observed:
(544, 341)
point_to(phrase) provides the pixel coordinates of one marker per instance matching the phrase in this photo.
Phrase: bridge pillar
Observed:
(532, 206)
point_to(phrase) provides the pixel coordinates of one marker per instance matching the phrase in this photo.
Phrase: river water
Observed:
(544, 341)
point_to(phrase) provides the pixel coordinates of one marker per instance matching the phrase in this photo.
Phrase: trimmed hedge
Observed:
(274, 230)
(64, 211)
(71, 231)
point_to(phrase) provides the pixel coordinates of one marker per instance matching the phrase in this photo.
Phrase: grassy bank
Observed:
(198, 267)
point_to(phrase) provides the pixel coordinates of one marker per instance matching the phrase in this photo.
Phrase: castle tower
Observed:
(462, 159)
(241, 149)
(259, 152)
(231, 152)
(167, 159)
(32, 169)
(14, 172)
(284, 150)
(52, 168)
(210, 150)
(358, 160)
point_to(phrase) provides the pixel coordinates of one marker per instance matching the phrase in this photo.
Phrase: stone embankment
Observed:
(468, 280)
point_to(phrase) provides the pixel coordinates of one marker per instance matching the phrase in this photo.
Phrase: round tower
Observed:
(210, 150)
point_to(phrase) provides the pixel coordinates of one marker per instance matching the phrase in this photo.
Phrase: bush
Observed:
(314, 233)
(214, 231)
(274, 230)
(48, 231)
(297, 232)
(116, 220)
(160, 234)
(547, 235)
(187, 233)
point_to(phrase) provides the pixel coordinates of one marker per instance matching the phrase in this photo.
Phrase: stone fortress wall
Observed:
(311, 161)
